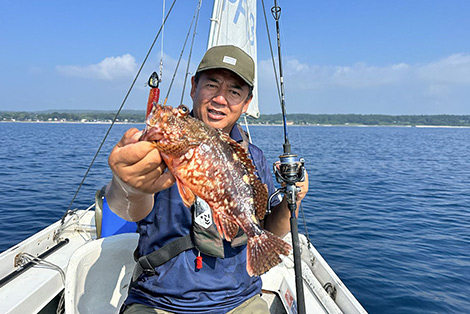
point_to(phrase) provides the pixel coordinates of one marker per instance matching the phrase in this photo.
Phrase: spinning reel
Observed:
(289, 170)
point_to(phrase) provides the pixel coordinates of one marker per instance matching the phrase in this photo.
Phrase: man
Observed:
(141, 190)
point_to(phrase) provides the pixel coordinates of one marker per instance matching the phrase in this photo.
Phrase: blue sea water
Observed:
(388, 208)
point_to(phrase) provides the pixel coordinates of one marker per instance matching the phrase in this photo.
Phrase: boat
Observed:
(67, 266)
(83, 262)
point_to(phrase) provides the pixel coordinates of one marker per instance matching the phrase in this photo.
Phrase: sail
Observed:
(233, 22)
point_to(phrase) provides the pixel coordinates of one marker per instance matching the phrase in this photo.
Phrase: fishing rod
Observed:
(289, 170)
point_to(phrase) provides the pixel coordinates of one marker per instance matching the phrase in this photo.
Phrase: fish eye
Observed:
(183, 110)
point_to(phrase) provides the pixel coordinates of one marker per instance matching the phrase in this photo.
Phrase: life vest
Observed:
(203, 236)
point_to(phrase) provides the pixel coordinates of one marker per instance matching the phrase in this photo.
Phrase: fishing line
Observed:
(276, 12)
(117, 113)
(272, 53)
(162, 41)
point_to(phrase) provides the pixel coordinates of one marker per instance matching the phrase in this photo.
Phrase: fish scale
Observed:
(207, 163)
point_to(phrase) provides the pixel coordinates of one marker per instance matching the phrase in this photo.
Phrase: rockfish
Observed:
(207, 163)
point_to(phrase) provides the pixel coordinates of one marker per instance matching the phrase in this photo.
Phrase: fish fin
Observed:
(241, 153)
(260, 198)
(226, 226)
(217, 221)
(230, 228)
(186, 194)
(263, 252)
(260, 189)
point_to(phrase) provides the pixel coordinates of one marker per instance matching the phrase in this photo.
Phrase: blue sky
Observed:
(367, 57)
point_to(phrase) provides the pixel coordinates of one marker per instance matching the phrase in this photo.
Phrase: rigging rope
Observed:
(247, 128)
(190, 53)
(196, 13)
(117, 113)
(25, 257)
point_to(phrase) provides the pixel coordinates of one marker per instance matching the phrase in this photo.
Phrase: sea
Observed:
(387, 207)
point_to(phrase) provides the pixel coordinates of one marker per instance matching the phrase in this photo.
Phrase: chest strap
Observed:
(146, 264)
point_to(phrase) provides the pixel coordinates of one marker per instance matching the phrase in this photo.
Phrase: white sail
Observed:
(233, 22)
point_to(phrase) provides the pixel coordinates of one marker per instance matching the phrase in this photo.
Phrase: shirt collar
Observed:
(235, 133)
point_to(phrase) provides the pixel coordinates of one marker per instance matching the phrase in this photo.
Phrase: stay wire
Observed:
(190, 53)
(117, 113)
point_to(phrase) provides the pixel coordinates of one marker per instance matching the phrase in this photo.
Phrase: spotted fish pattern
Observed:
(207, 163)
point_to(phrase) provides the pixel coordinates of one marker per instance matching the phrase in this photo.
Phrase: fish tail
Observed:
(263, 252)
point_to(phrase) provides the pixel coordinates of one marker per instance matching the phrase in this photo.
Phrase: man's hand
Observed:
(138, 173)
(278, 222)
(139, 164)
(303, 185)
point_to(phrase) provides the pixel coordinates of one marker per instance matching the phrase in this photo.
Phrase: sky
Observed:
(339, 57)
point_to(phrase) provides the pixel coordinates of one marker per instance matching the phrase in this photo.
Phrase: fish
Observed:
(207, 163)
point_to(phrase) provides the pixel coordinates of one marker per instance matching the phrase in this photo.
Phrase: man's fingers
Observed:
(163, 182)
(131, 136)
(133, 153)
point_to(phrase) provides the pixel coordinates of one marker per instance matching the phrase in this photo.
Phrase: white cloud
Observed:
(359, 75)
(364, 88)
(455, 69)
(108, 69)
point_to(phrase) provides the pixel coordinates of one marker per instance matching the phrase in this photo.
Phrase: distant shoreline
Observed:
(73, 122)
(361, 120)
(263, 125)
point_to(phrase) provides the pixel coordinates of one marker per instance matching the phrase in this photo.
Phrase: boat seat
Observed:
(98, 275)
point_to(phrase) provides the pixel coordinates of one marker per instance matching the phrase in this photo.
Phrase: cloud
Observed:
(109, 69)
(356, 76)
(455, 69)
(440, 86)
(452, 70)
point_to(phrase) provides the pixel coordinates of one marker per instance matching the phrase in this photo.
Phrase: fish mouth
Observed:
(215, 114)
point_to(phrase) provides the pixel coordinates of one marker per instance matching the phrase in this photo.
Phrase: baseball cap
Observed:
(231, 58)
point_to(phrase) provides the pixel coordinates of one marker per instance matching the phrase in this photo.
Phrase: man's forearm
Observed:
(126, 201)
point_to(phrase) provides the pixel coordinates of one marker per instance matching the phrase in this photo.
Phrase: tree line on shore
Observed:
(138, 116)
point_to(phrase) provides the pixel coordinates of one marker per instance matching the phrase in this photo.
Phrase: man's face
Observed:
(219, 98)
